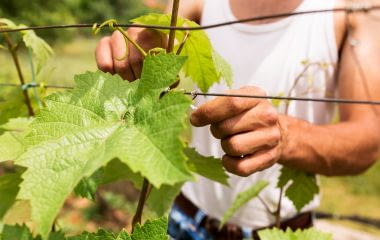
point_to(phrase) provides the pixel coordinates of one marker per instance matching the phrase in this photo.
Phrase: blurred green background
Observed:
(74, 54)
(42, 12)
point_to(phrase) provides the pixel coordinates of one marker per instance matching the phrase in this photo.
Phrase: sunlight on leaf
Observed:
(242, 199)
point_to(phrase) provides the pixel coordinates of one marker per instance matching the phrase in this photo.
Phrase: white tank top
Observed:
(270, 56)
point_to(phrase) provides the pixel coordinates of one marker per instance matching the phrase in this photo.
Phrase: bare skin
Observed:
(254, 129)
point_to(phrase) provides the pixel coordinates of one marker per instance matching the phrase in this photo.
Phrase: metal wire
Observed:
(349, 9)
(195, 94)
(34, 85)
(325, 100)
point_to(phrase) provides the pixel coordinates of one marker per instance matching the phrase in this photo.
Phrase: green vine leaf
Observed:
(308, 234)
(10, 147)
(114, 171)
(152, 230)
(105, 118)
(12, 104)
(243, 198)
(123, 235)
(9, 187)
(21, 232)
(57, 236)
(101, 234)
(18, 213)
(204, 66)
(302, 186)
(88, 186)
(8, 24)
(208, 167)
(16, 233)
(223, 68)
(165, 196)
(11, 141)
(41, 50)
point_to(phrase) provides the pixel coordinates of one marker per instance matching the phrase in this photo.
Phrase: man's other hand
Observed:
(248, 128)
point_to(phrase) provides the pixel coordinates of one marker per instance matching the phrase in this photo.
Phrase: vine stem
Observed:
(286, 112)
(173, 23)
(278, 212)
(170, 48)
(147, 187)
(295, 83)
(13, 50)
(144, 194)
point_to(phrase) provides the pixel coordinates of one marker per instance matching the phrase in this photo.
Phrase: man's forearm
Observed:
(344, 148)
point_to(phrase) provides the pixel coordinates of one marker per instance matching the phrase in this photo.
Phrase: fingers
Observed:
(147, 39)
(110, 49)
(118, 48)
(263, 115)
(103, 55)
(251, 142)
(248, 128)
(222, 108)
(251, 163)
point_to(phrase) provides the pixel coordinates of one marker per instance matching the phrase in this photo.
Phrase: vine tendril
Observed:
(111, 23)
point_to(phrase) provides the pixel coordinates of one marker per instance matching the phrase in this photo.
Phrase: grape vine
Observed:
(80, 134)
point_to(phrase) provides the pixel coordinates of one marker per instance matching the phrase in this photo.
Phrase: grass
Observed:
(357, 195)
(69, 59)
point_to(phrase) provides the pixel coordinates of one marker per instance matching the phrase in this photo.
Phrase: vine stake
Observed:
(147, 187)
(13, 50)
(170, 47)
(173, 24)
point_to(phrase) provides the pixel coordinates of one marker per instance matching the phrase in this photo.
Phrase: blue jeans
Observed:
(183, 227)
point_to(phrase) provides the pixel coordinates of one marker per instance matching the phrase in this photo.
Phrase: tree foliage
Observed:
(69, 11)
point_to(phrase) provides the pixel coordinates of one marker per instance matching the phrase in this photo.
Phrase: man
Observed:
(315, 55)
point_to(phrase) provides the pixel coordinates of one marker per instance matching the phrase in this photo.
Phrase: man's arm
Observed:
(255, 137)
(352, 145)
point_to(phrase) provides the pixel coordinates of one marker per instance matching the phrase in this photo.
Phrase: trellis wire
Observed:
(350, 9)
(325, 100)
(34, 85)
(194, 94)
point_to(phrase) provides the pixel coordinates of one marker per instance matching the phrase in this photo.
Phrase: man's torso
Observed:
(271, 55)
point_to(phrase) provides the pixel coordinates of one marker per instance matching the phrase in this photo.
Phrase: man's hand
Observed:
(249, 130)
(112, 48)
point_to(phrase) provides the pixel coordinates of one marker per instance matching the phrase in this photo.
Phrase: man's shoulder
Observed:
(354, 19)
(342, 20)
(356, 4)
